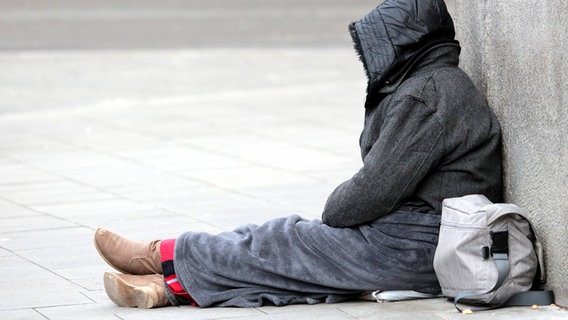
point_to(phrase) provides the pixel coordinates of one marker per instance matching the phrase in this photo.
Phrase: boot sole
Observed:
(127, 295)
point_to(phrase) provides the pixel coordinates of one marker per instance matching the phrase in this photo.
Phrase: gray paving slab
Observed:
(32, 223)
(21, 314)
(443, 309)
(5, 253)
(44, 238)
(16, 173)
(10, 209)
(30, 285)
(148, 144)
(52, 192)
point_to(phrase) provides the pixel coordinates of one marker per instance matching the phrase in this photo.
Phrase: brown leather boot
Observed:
(128, 256)
(142, 291)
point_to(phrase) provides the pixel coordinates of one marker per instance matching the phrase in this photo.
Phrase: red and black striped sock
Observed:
(167, 248)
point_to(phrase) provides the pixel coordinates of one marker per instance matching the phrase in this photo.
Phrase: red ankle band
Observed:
(167, 248)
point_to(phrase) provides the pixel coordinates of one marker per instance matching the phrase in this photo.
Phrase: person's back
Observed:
(470, 137)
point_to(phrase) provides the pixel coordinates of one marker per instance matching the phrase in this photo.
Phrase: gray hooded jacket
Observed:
(429, 133)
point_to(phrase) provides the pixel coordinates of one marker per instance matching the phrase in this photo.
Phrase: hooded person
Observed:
(428, 135)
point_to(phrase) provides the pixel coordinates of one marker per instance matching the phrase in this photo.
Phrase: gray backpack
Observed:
(488, 254)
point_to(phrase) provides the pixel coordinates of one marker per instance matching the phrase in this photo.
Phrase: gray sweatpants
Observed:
(292, 260)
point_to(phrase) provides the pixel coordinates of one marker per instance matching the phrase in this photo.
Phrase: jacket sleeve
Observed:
(408, 147)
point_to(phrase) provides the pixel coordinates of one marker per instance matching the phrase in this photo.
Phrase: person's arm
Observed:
(409, 146)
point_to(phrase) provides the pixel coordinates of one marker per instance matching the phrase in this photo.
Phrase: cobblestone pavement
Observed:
(154, 143)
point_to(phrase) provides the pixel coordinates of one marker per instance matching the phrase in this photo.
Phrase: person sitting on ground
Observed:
(428, 135)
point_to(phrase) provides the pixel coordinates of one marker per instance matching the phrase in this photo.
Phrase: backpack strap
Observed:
(500, 251)
(527, 298)
(502, 209)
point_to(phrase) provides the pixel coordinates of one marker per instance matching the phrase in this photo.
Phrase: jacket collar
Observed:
(431, 58)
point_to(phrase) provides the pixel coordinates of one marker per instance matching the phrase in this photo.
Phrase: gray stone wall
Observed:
(515, 50)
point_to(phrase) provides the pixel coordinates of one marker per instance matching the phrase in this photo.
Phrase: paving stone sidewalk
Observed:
(153, 143)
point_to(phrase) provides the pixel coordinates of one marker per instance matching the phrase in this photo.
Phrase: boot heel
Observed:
(145, 297)
(118, 291)
(142, 291)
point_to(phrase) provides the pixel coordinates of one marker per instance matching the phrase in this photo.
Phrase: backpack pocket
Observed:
(461, 261)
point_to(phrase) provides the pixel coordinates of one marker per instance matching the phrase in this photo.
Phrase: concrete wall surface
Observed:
(515, 50)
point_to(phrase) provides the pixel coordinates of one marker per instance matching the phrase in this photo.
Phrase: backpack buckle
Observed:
(499, 245)
(500, 241)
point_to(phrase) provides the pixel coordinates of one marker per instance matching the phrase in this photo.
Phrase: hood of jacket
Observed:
(393, 37)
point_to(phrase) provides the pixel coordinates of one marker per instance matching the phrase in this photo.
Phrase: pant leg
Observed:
(291, 260)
